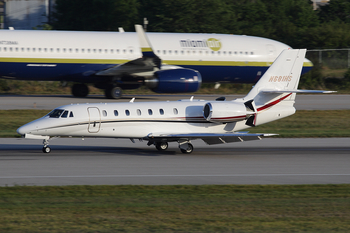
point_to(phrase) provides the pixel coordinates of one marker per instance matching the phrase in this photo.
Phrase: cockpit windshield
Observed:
(56, 113)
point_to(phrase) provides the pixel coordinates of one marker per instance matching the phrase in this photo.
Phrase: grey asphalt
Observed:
(303, 102)
(119, 161)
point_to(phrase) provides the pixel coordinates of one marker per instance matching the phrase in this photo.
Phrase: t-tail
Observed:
(273, 96)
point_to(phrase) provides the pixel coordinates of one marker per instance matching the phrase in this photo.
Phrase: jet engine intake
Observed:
(175, 81)
(224, 112)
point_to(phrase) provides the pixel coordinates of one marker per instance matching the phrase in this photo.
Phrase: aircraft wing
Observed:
(140, 65)
(209, 138)
(147, 63)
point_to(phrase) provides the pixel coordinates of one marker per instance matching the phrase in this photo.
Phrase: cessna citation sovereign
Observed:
(214, 122)
(177, 62)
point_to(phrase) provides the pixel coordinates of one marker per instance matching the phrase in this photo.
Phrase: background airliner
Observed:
(172, 62)
(214, 122)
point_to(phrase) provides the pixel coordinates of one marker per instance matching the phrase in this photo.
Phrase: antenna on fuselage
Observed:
(132, 100)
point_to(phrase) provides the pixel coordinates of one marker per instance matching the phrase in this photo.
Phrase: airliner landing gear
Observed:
(186, 147)
(113, 92)
(46, 148)
(161, 146)
(80, 90)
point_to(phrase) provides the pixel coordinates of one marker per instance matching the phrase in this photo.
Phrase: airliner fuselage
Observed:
(80, 56)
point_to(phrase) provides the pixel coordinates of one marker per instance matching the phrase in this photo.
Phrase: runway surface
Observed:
(119, 161)
(303, 102)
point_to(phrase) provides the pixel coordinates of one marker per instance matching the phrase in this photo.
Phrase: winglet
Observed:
(145, 45)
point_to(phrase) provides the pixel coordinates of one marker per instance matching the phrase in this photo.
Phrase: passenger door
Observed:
(94, 120)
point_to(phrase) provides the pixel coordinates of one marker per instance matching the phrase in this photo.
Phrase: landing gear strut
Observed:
(46, 148)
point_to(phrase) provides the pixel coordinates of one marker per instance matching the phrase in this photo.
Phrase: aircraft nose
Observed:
(23, 130)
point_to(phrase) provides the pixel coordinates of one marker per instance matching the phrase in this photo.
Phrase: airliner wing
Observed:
(148, 62)
(209, 138)
(144, 64)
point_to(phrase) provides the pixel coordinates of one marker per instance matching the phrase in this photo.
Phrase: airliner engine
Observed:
(175, 81)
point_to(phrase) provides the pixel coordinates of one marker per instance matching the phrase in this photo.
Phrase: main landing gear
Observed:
(112, 91)
(80, 90)
(185, 147)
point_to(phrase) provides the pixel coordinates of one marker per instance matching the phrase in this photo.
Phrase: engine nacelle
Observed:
(225, 112)
(175, 81)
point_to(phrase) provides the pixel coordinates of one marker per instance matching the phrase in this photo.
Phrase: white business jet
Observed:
(113, 61)
(214, 122)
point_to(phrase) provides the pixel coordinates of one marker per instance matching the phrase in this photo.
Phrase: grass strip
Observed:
(205, 208)
(316, 123)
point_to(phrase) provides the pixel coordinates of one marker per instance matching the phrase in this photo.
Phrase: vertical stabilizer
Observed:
(283, 74)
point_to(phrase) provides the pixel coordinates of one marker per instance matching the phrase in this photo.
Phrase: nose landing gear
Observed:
(46, 148)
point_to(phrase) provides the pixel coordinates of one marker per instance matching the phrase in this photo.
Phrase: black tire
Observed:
(80, 90)
(113, 92)
(161, 146)
(189, 149)
(46, 149)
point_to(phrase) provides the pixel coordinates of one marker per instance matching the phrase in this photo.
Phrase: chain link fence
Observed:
(333, 59)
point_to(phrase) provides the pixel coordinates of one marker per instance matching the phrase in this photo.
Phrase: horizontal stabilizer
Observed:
(297, 91)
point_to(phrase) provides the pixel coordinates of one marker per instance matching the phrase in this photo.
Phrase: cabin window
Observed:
(175, 111)
(124, 51)
(117, 50)
(127, 112)
(104, 113)
(88, 50)
(10, 49)
(131, 51)
(116, 113)
(16, 49)
(22, 49)
(55, 113)
(106, 50)
(150, 112)
(112, 50)
(138, 111)
(161, 111)
(45, 50)
(65, 114)
(71, 114)
(251, 53)
(82, 50)
(169, 52)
